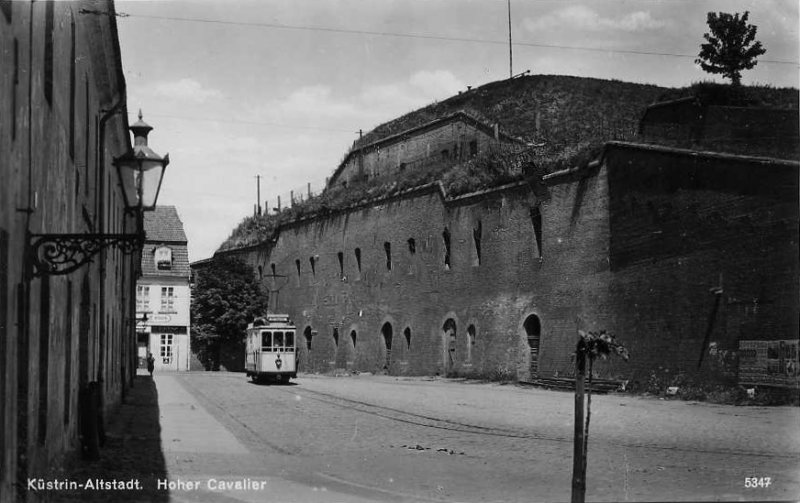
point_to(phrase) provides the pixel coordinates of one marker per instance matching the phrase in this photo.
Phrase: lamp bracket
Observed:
(58, 254)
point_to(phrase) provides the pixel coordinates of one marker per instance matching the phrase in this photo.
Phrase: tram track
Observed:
(428, 421)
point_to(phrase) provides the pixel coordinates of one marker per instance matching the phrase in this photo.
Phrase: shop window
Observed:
(166, 348)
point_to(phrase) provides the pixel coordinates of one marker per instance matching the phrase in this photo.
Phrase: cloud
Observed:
(185, 89)
(583, 18)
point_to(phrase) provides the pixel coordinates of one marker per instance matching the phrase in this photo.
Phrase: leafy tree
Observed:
(730, 47)
(226, 297)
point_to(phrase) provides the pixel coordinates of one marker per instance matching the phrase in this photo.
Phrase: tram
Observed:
(270, 352)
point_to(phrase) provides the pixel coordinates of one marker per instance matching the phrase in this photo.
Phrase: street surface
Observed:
(395, 439)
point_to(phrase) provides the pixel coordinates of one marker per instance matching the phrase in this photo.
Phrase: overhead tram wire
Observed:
(251, 123)
(281, 26)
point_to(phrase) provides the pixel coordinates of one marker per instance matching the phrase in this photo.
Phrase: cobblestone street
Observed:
(369, 438)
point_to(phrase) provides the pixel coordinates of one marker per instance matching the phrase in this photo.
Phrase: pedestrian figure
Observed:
(151, 362)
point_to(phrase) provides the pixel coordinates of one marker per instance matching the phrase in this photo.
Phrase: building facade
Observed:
(63, 121)
(162, 292)
(682, 254)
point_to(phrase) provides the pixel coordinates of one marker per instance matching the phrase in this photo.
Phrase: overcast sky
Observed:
(236, 89)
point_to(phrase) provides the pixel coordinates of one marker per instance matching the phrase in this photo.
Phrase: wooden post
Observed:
(578, 453)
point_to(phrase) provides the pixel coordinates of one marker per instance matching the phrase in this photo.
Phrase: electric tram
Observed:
(270, 349)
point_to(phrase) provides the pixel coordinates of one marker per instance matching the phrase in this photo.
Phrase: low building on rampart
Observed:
(446, 140)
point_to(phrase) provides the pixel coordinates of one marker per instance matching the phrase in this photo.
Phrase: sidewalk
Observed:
(164, 440)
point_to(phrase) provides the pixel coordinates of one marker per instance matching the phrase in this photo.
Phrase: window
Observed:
(446, 239)
(167, 298)
(336, 337)
(166, 348)
(387, 247)
(412, 246)
(358, 258)
(142, 298)
(14, 93)
(5, 6)
(49, 41)
(72, 91)
(407, 334)
(297, 266)
(353, 338)
(272, 268)
(163, 258)
(312, 261)
(340, 256)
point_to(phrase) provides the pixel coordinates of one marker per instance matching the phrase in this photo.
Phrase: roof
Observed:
(164, 225)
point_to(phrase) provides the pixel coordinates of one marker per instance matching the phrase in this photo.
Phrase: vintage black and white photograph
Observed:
(399, 251)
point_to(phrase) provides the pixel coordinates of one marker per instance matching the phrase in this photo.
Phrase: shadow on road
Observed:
(132, 452)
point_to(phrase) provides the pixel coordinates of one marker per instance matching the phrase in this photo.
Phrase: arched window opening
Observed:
(470, 341)
(407, 334)
(353, 338)
(449, 331)
(336, 337)
(313, 263)
(386, 331)
(533, 331)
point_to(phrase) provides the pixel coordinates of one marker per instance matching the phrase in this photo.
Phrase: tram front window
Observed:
(289, 341)
(266, 341)
(278, 340)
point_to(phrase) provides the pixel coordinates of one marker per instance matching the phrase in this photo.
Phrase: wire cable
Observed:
(282, 26)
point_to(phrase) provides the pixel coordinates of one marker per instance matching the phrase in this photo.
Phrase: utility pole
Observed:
(258, 194)
(510, 51)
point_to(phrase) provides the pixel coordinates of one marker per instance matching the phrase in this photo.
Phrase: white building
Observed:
(162, 293)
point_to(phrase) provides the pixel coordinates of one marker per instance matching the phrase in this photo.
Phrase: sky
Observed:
(279, 89)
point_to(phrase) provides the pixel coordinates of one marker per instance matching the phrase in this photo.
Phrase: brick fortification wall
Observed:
(683, 226)
(632, 245)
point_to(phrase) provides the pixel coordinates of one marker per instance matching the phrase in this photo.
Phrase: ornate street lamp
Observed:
(140, 173)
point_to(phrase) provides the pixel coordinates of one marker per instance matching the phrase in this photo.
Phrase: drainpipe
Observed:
(118, 107)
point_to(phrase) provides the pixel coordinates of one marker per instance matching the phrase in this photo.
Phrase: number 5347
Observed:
(757, 481)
